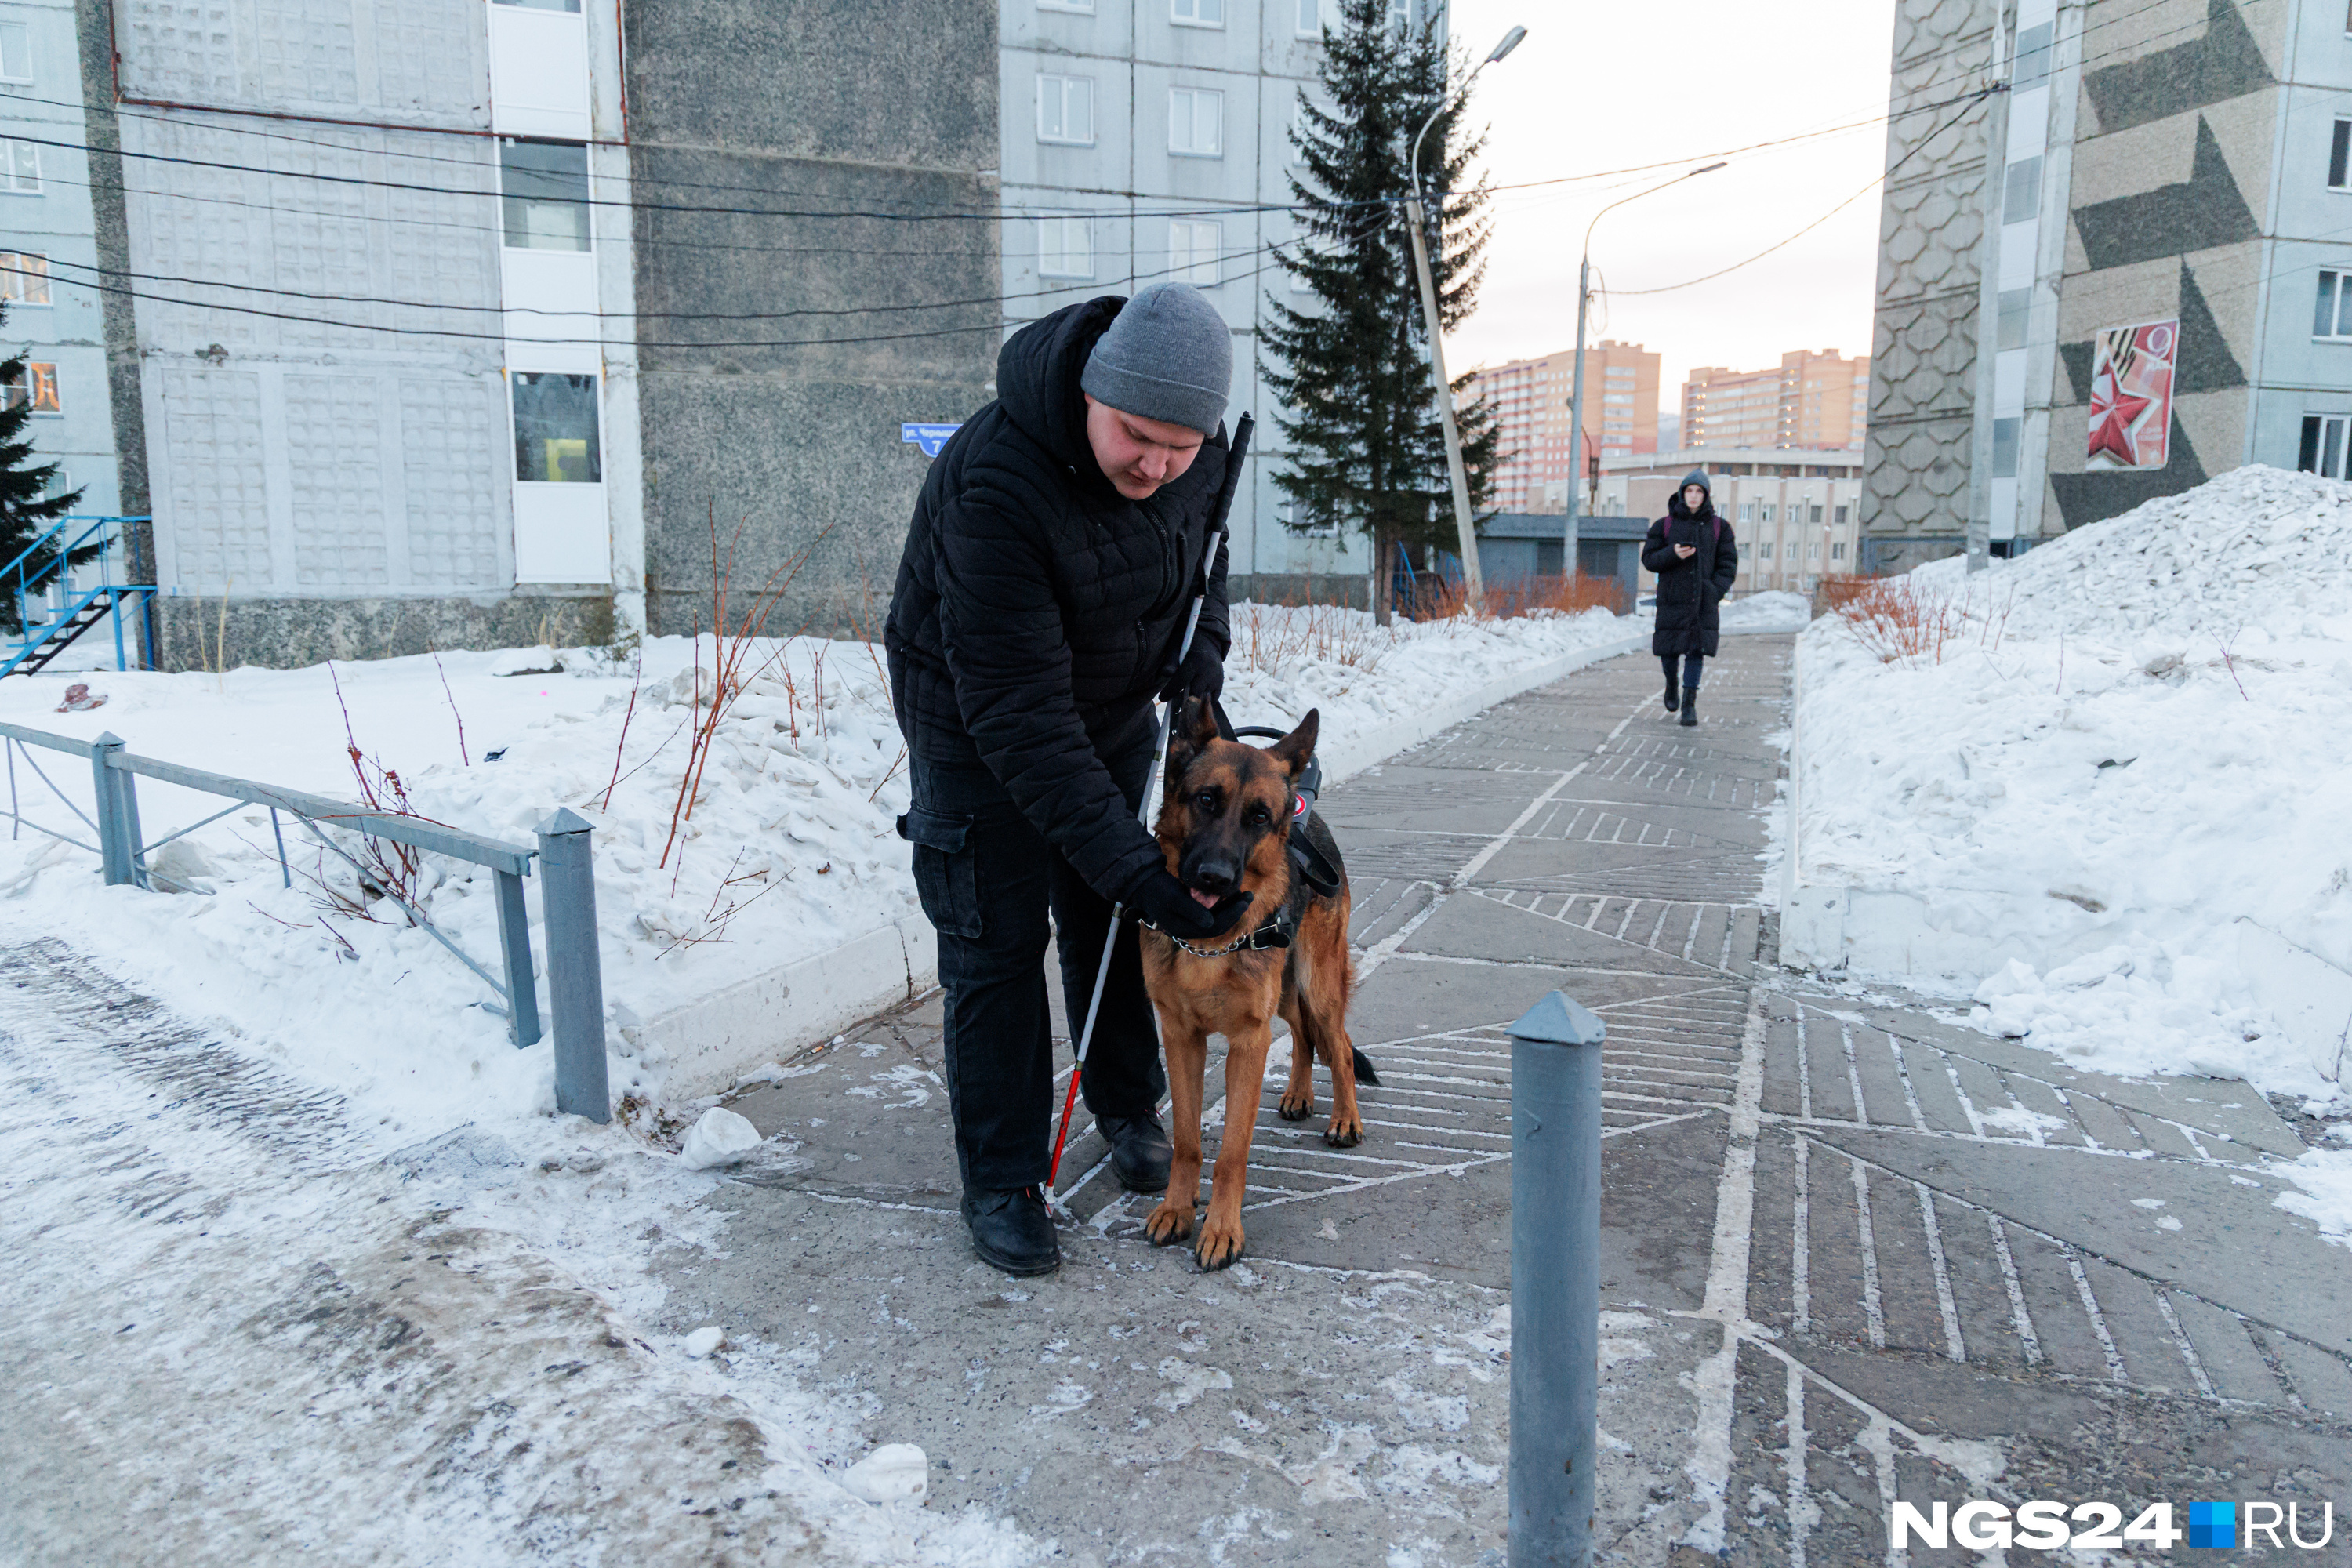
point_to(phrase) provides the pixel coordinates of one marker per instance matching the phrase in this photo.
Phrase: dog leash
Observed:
(1235, 450)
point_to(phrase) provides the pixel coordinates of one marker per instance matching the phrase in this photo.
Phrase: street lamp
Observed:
(1576, 395)
(1466, 533)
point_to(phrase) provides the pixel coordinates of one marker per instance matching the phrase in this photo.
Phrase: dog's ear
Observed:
(1294, 749)
(1195, 726)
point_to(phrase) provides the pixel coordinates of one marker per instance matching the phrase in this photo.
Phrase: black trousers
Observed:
(1693, 663)
(986, 878)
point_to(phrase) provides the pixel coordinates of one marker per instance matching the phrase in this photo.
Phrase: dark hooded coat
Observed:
(1037, 610)
(1690, 589)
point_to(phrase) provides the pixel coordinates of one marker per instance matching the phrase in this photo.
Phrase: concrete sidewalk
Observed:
(1944, 1264)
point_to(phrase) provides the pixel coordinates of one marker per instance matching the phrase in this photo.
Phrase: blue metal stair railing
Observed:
(52, 612)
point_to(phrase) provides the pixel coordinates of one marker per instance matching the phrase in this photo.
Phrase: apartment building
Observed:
(1531, 398)
(2125, 275)
(1797, 514)
(48, 250)
(1819, 400)
(1151, 139)
(401, 394)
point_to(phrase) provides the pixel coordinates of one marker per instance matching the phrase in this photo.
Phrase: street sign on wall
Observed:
(929, 438)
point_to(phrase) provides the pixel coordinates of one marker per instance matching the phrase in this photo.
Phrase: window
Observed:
(2322, 445)
(15, 52)
(23, 279)
(569, 6)
(555, 428)
(2337, 153)
(1400, 13)
(1840, 516)
(1764, 551)
(1814, 515)
(1813, 551)
(1747, 511)
(1192, 252)
(2021, 195)
(1066, 248)
(545, 190)
(20, 164)
(2334, 316)
(1196, 118)
(1083, 7)
(1768, 512)
(2009, 330)
(2032, 67)
(1197, 13)
(1065, 110)
(35, 384)
(1837, 550)
(1310, 18)
(2004, 448)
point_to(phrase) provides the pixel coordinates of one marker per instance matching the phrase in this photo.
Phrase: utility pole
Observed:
(1466, 531)
(1575, 394)
(1996, 180)
(1576, 415)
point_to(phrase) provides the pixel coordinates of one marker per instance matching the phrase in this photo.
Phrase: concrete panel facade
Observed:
(2167, 161)
(814, 332)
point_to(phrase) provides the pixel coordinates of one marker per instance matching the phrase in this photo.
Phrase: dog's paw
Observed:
(1220, 1245)
(1297, 1107)
(1345, 1132)
(1168, 1223)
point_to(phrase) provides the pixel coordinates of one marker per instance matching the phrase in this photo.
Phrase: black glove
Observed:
(1201, 674)
(1166, 904)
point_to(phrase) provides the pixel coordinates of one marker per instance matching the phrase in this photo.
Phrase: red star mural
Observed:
(2111, 422)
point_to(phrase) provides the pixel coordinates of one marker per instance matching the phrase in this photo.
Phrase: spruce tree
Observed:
(1366, 446)
(27, 509)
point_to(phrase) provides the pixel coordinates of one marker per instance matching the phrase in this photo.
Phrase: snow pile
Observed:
(1774, 610)
(788, 848)
(2130, 740)
(2256, 547)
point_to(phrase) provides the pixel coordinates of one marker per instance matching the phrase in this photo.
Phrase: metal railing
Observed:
(567, 880)
(51, 613)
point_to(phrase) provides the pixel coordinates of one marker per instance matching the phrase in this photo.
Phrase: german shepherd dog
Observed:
(1225, 826)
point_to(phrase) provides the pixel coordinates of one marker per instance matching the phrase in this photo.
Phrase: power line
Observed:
(994, 325)
(1881, 179)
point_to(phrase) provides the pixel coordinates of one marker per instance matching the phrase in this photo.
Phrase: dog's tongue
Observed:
(1201, 899)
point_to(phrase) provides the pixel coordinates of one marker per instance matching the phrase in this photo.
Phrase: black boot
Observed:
(1013, 1231)
(1140, 1151)
(1690, 706)
(1671, 700)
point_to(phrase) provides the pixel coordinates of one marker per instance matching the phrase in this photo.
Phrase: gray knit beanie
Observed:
(1168, 355)
(1695, 477)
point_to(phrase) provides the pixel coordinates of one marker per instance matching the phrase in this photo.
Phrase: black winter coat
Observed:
(1037, 610)
(1689, 590)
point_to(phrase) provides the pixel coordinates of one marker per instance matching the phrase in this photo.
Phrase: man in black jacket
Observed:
(1054, 556)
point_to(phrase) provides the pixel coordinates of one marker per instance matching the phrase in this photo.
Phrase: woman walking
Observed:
(1695, 556)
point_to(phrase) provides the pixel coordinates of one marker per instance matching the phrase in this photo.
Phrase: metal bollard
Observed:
(575, 977)
(1555, 1282)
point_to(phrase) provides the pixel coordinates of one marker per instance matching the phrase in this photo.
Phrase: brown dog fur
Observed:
(1237, 798)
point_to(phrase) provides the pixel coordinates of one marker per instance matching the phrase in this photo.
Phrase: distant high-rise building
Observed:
(1819, 400)
(1531, 395)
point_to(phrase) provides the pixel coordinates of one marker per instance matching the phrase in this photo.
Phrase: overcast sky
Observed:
(1607, 86)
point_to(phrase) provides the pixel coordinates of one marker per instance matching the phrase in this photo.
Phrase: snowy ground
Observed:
(328, 997)
(788, 851)
(2122, 745)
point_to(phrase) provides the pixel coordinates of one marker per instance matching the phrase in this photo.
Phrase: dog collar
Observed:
(1275, 934)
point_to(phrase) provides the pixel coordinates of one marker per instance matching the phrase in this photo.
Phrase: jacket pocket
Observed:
(947, 870)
